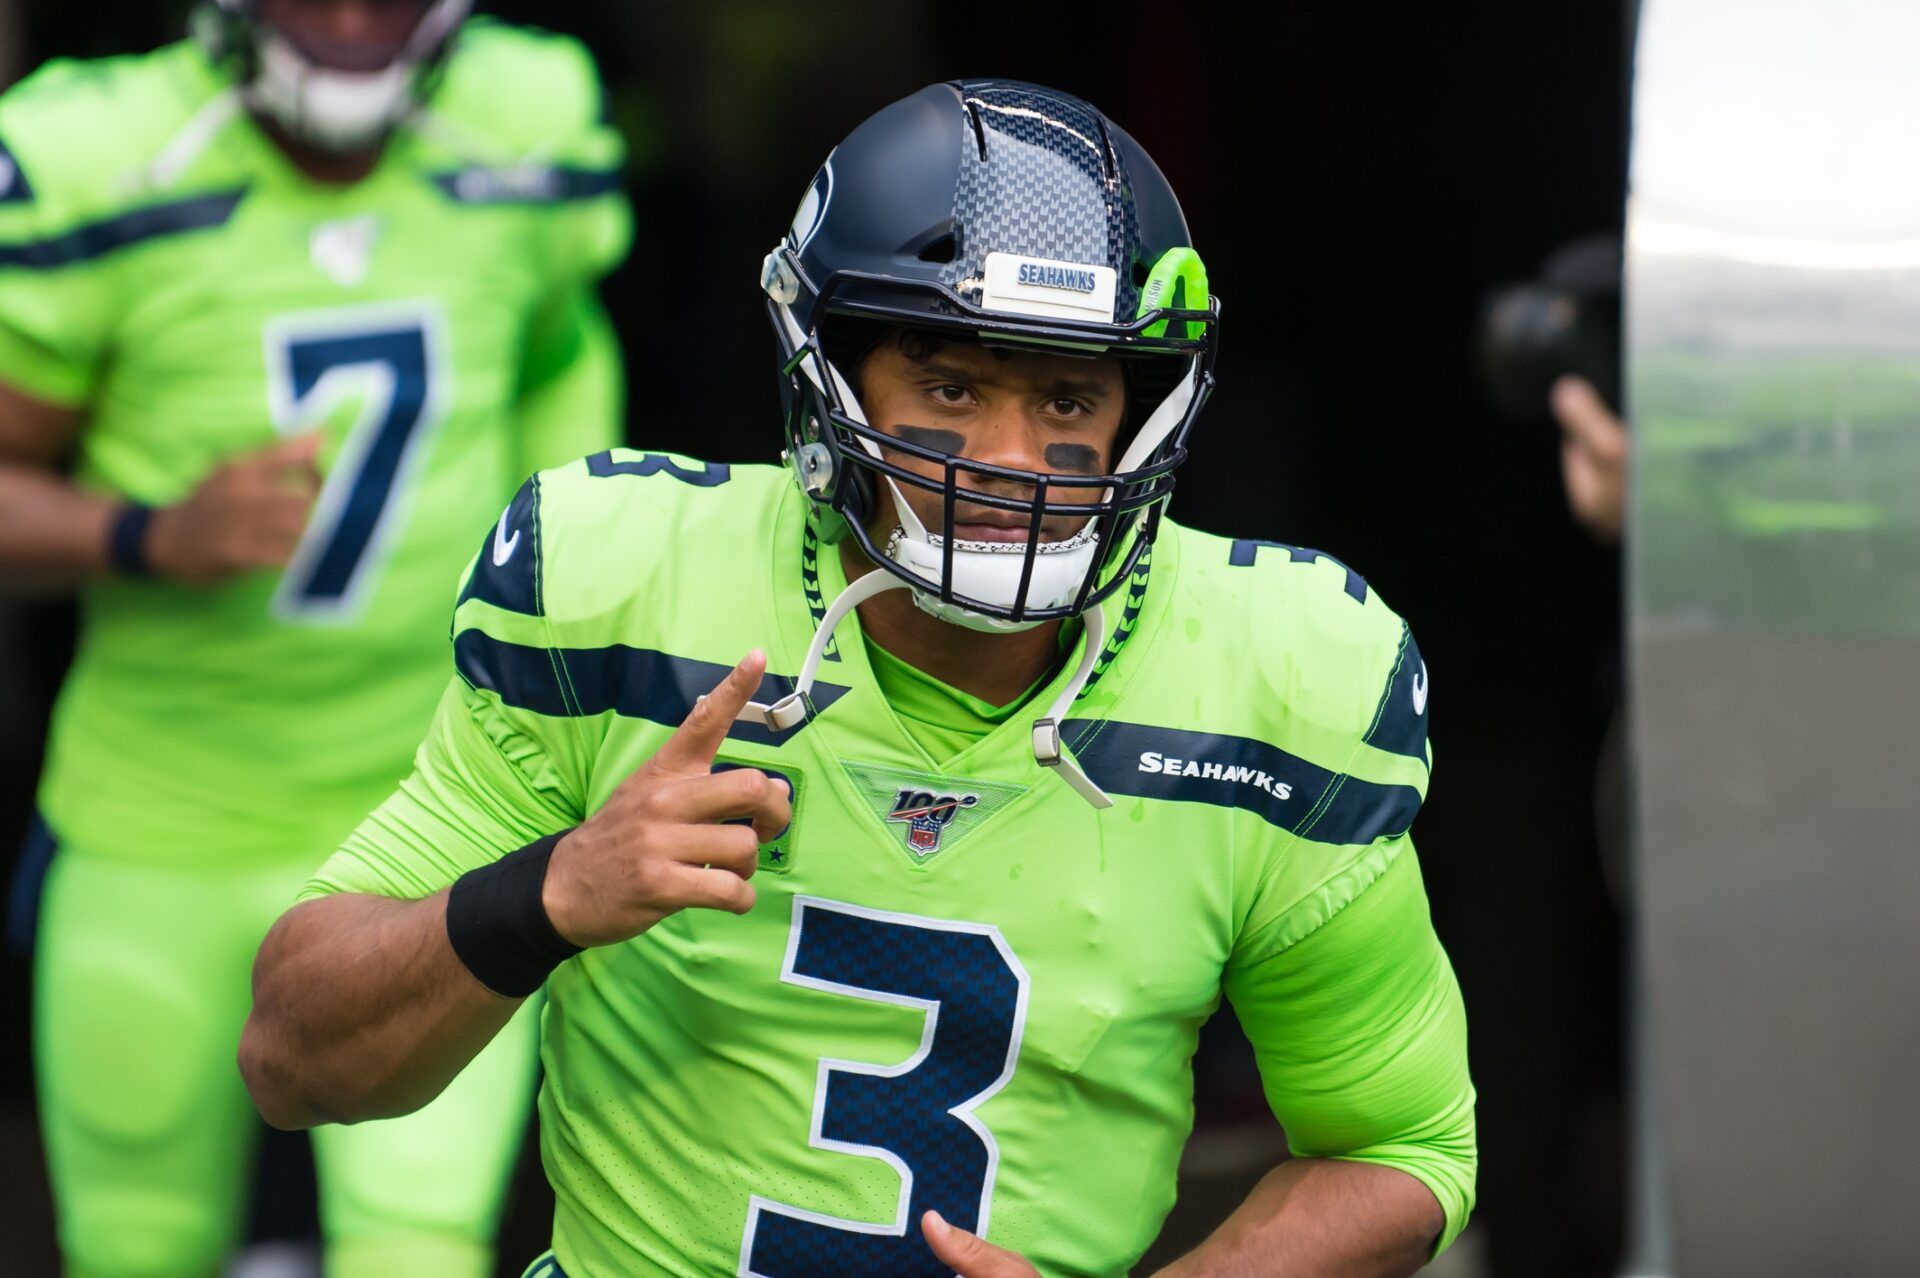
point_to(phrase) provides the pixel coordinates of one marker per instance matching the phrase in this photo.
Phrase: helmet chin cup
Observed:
(333, 110)
(990, 572)
(967, 618)
(325, 107)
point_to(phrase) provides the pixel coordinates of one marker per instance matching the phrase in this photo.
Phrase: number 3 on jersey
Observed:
(917, 1116)
(391, 360)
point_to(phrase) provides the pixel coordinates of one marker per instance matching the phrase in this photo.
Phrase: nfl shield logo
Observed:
(926, 815)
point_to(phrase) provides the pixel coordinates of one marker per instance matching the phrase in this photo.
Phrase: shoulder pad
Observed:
(1316, 628)
(76, 135)
(557, 109)
(616, 521)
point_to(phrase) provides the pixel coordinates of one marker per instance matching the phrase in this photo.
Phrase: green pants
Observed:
(141, 985)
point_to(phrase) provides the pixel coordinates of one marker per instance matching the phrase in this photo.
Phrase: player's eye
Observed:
(950, 394)
(1063, 407)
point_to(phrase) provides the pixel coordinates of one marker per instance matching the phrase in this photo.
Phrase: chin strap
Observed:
(796, 707)
(1047, 748)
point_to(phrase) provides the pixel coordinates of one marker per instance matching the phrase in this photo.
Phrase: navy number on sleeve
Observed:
(1246, 549)
(389, 362)
(710, 474)
(916, 1116)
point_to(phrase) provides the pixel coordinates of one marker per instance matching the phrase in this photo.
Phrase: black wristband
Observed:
(127, 540)
(498, 926)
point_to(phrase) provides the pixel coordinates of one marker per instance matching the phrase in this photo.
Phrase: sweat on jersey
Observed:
(166, 269)
(961, 986)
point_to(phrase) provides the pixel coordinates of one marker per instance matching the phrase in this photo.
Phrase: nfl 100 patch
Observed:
(927, 812)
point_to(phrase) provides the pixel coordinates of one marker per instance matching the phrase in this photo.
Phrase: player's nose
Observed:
(1008, 435)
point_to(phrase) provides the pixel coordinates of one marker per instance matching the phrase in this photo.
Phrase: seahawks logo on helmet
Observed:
(813, 207)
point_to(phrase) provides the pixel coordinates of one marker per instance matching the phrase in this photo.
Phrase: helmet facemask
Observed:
(841, 459)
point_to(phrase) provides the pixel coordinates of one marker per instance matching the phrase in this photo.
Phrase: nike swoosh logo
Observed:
(1419, 686)
(503, 545)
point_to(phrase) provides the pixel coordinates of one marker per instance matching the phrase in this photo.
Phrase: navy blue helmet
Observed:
(1011, 214)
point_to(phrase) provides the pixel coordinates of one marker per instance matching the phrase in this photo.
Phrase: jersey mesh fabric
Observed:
(767, 1093)
(436, 320)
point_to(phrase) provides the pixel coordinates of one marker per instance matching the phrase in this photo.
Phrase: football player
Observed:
(1042, 777)
(295, 295)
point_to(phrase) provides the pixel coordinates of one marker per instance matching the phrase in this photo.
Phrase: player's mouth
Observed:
(990, 532)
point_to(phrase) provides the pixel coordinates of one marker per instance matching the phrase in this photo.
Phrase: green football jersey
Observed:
(962, 987)
(165, 268)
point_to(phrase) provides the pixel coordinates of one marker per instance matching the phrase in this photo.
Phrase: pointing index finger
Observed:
(700, 735)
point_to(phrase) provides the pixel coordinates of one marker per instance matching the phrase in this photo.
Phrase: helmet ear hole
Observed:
(942, 250)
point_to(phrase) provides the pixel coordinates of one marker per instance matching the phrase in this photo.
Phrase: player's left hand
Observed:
(971, 1255)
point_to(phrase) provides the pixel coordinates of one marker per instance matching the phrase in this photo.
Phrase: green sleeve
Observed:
(1362, 1038)
(55, 311)
(572, 389)
(478, 790)
(490, 776)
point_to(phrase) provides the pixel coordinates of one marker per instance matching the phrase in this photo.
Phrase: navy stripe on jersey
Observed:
(14, 187)
(97, 239)
(1400, 720)
(507, 573)
(636, 683)
(1239, 772)
(533, 184)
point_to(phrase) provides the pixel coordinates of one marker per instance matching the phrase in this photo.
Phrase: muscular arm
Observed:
(247, 514)
(1362, 1048)
(1361, 1039)
(1309, 1218)
(361, 1007)
(1321, 1218)
(52, 535)
(361, 1010)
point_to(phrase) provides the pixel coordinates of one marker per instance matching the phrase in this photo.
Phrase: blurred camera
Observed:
(1565, 321)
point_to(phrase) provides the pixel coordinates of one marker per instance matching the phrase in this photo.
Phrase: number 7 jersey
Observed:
(961, 987)
(166, 271)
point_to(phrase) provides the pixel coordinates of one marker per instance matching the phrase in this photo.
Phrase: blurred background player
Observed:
(299, 299)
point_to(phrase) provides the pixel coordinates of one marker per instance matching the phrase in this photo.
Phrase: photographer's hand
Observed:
(1593, 458)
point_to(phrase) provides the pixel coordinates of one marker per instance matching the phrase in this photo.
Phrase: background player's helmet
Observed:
(1006, 213)
(328, 106)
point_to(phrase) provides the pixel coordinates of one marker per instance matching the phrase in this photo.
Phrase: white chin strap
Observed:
(344, 110)
(987, 570)
(796, 707)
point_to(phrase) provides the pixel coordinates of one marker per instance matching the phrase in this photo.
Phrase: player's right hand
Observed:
(248, 514)
(657, 846)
